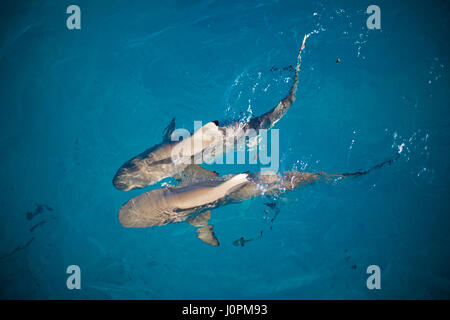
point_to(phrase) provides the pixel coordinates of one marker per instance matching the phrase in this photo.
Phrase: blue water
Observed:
(76, 104)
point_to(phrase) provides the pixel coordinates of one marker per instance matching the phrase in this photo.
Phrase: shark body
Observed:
(201, 190)
(193, 200)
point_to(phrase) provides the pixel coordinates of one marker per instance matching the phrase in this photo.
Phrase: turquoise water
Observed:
(76, 104)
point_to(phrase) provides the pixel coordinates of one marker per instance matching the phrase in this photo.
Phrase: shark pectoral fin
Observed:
(206, 234)
(203, 138)
(195, 173)
(200, 220)
(205, 231)
(169, 130)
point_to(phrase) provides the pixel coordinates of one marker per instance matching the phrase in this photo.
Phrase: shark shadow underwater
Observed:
(200, 190)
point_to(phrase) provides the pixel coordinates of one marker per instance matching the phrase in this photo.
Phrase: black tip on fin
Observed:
(216, 122)
(169, 130)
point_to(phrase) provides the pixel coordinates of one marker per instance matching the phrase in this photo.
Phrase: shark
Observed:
(242, 241)
(158, 162)
(193, 199)
(200, 190)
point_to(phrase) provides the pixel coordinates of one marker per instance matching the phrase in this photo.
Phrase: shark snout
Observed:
(120, 184)
(128, 178)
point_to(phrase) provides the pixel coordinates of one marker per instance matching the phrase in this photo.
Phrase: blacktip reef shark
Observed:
(201, 190)
(192, 201)
(242, 241)
(157, 163)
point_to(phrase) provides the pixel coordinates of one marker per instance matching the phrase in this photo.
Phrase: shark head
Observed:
(166, 159)
(146, 169)
(130, 177)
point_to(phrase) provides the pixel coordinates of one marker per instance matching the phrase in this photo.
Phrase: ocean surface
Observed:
(76, 104)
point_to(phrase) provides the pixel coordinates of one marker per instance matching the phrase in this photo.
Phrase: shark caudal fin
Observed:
(293, 179)
(268, 120)
(362, 172)
(205, 231)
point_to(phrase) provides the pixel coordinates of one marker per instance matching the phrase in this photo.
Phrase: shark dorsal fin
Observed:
(168, 130)
(205, 231)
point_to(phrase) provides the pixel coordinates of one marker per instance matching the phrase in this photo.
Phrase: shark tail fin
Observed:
(294, 179)
(205, 231)
(291, 96)
(268, 120)
(361, 172)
